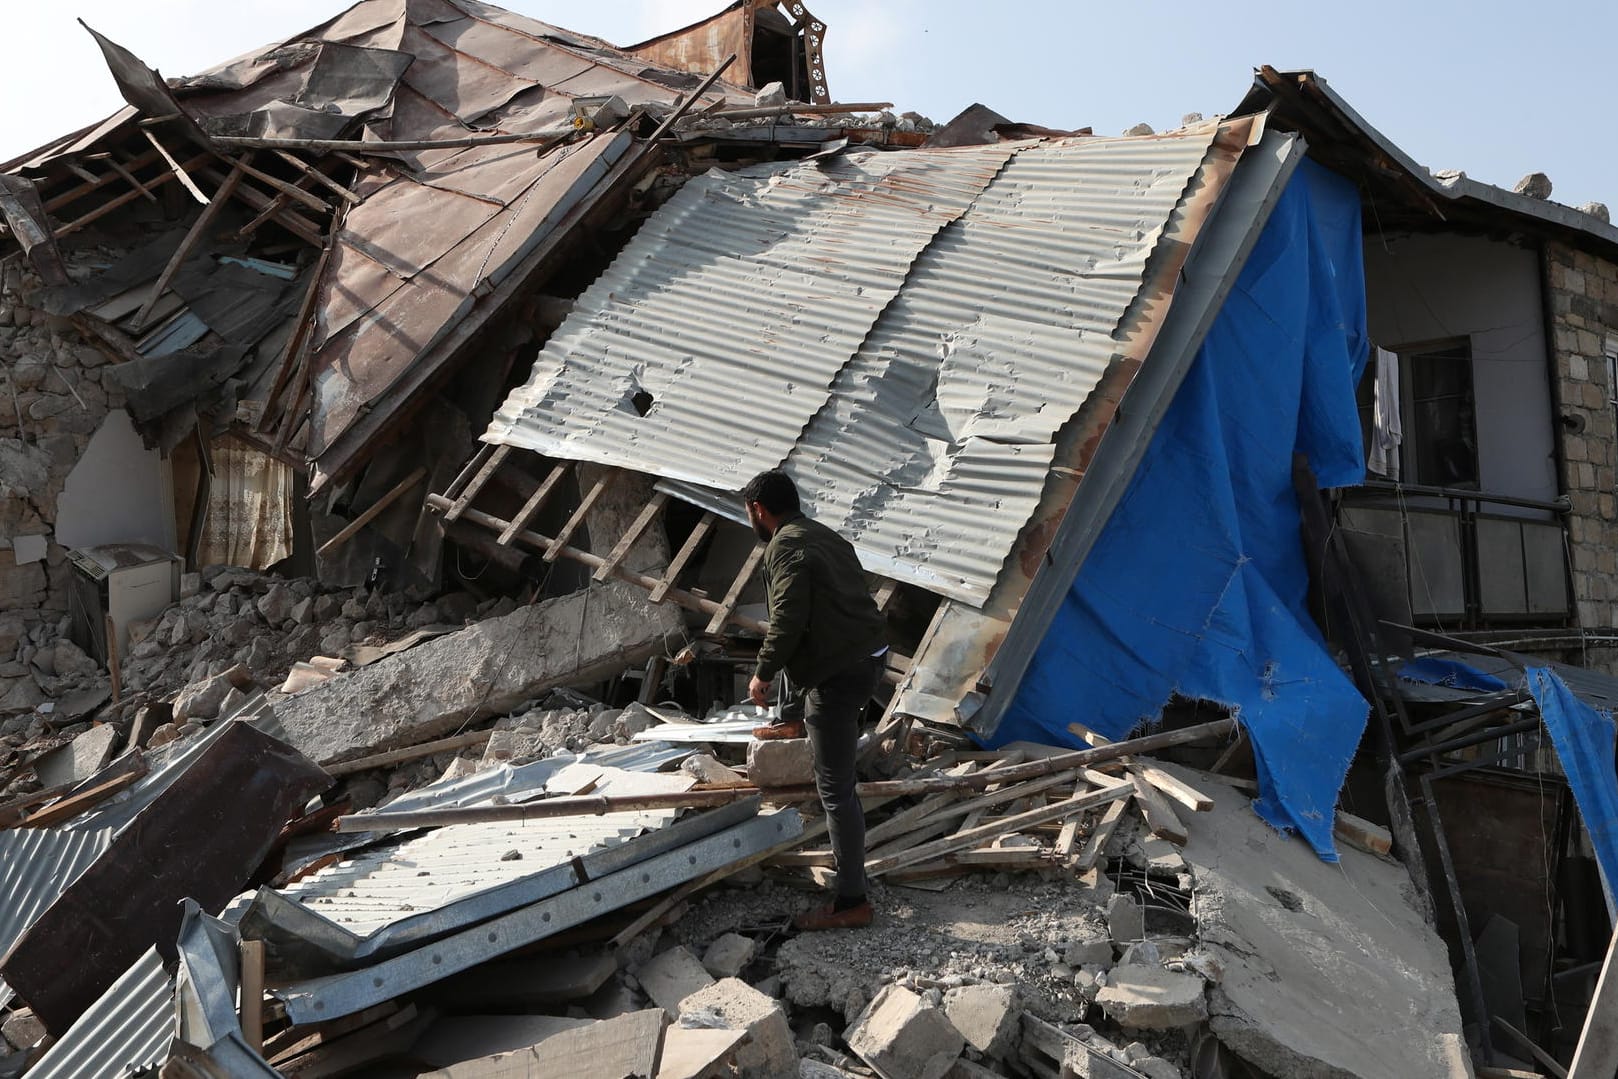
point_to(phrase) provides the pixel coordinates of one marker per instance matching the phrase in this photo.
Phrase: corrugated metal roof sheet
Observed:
(928, 442)
(36, 866)
(129, 1028)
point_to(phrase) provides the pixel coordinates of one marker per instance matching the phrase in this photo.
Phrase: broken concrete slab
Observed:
(988, 1017)
(601, 1049)
(524, 984)
(487, 668)
(903, 1037)
(1126, 920)
(781, 762)
(728, 955)
(1151, 998)
(698, 1053)
(22, 1029)
(79, 759)
(1315, 955)
(672, 975)
(769, 1052)
(710, 773)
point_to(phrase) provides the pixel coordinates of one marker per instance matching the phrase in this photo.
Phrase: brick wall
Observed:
(1584, 311)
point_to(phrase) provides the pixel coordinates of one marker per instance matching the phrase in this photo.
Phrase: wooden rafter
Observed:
(647, 515)
(484, 475)
(194, 234)
(727, 606)
(117, 200)
(179, 170)
(317, 176)
(683, 556)
(554, 551)
(530, 509)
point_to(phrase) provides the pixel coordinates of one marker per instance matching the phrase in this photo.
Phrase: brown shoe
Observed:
(829, 917)
(792, 728)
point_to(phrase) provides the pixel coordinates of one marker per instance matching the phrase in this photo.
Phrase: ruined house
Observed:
(1255, 418)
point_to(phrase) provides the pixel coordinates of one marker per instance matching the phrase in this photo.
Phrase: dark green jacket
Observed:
(821, 617)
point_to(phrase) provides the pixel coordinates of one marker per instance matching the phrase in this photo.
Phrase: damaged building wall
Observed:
(1583, 290)
(52, 402)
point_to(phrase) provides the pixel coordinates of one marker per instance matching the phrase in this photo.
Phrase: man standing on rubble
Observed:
(829, 638)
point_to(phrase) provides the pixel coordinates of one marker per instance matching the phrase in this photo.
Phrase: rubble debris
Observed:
(728, 956)
(987, 1016)
(903, 1036)
(671, 976)
(769, 1051)
(1150, 998)
(79, 759)
(698, 1052)
(484, 669)
(1536, 185)
(780, 762)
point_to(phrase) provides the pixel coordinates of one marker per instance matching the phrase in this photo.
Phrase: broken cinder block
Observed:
(781, 762)
(728, 956)
(904, 1037)
(769, 1052)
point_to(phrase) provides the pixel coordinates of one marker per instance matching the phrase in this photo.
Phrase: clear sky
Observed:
(1497, 89)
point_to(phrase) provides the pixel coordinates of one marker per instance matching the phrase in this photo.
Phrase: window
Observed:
(1440, 437)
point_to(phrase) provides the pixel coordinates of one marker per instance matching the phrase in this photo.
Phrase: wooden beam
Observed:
(120, 200)
(73, 194)
(274, 408)
(179, 171)
(684, 555)
(536, 501)
(210, 211)
(317, 176)
(373, 511)
(1097, 841)
(289, 219)
(647, 515)
(410, 753)
(252, 994)
(473, 489)
(1180, 791)
(1160, 818)
(557, 545)
(291, 191)
(72, 806)
(352, 146)
(113, 163)
(743, 575)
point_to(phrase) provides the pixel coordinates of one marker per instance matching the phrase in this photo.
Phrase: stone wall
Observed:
(1584, 311)
(51, 402)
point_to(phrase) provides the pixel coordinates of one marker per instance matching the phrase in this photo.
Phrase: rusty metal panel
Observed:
(201, 839)
(703, 46)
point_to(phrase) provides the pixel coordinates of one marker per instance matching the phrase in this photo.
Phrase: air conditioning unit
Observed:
(126, 581)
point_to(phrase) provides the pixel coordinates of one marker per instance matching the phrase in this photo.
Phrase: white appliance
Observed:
(127, 581)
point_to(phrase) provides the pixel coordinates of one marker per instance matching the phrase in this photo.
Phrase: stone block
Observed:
(709, 772)
(79, 759)
(731, 1004)
(988, 1017)
(1147, 998)
(1126, 920)
(22, 1029)
(1088, 951)
(201, 700)
(728, 956)
(671, 976)
(783, 762)
(903, 1037)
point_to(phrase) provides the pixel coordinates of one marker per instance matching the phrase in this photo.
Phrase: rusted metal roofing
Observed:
(906, 336)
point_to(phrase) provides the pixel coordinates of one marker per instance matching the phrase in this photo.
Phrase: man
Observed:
(827, 635)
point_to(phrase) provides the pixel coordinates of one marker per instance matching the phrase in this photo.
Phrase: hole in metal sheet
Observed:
(642, 401)
(437, 959)
(493, 937)
(377, 982)
(595, 897)
(545, 917)
(645, 878)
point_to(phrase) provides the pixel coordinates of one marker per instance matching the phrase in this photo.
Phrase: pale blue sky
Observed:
(1493, 88)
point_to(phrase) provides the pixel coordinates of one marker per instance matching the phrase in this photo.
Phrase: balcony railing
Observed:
(1472, 560)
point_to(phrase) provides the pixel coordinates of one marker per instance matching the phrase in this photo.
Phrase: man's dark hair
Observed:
(774, 490)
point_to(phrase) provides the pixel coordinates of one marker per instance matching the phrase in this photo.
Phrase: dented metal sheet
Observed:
(36, 866)
(126, 1031)
(734, 309)
(927, 433)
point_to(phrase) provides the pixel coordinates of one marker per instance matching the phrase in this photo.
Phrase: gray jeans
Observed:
(833, 712)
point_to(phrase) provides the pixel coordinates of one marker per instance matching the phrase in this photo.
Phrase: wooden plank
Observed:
(410, 753)
(252, 994)
(535, 503)
(118, 201)
(130, 178)
(475, 487)
(115, 666)
(292, 352)
(1597, 1054)
(640, 524)
(1361, 833)
(1175, 788)
(468, 470)
(317, 176)
(179, 171)
(295, 1040)
(210, 211)
(374, 510)
(70, 807)
(347, 1054)
(556, 546)
(1067, 839)
(684, 555)
(291, 191)
(66, 198)
(1097, 841)
(1160, 818)
(884, 594)
(728, 604)
(962, 840)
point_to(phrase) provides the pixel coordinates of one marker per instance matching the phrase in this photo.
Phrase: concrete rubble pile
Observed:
(593, 890)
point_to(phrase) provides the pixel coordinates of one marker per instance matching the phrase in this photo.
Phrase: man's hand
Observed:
(758, 690)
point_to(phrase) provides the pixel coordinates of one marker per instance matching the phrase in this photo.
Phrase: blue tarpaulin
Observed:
(1584, 744)
(1197, 584)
